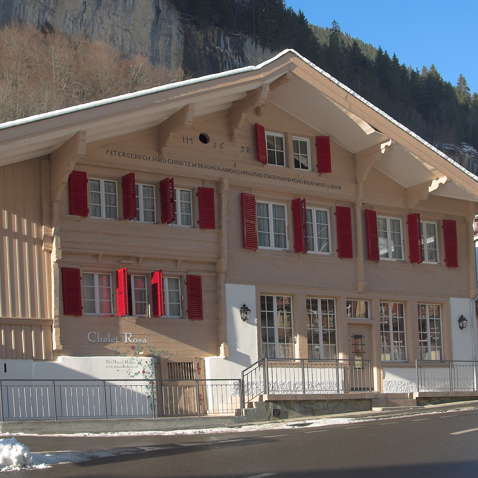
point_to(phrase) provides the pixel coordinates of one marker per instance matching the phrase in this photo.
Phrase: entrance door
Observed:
(359, 366)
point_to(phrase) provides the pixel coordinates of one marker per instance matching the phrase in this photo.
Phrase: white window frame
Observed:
(332, 355)
(351, 317)
(309, 156)
(422, 351)
(178, 221)
(271, 226)
(166, 297)
(276, 344)
(140, 203)
(424, 247)
(97, 293)
(277, 135)
(315, 236)
(390, 332)
(133, 297)
(389, 239)
(103, 198)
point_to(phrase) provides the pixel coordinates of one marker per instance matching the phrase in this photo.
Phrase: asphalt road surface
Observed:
(433, 446)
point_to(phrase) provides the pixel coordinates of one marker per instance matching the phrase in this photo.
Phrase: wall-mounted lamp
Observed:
(462, 322)
(244, 311)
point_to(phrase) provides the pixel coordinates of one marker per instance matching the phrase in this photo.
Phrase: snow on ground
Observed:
(13, 454)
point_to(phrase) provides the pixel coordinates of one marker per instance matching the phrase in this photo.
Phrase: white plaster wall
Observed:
(241, 336)
(399, 380)
(462, 341)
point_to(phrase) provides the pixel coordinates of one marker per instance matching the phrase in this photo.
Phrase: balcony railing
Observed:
(447, 376)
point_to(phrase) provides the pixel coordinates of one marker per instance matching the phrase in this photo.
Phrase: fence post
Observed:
(337, 376)
(474, 375)
(54, 399)
(1, 399)
(242, 397)
(106, 400)
(266, 376)
(154, 387)
(418, 376)
(302, 361)
(450, 374)
(197, 398)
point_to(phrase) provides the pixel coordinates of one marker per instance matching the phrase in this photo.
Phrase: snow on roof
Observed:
(223, 74)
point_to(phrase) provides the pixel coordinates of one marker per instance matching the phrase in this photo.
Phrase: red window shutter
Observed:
(372, 235)
(414, 238)
(261, 144)
(206, 208)
(298, 213)
(78, 193)
(249, 231)
(168, 201)
(157, 294)
(129, 196)
(194, 290)
(122, 292)
(343, 220)
(71, 291)
(451, 242)
(322, 148)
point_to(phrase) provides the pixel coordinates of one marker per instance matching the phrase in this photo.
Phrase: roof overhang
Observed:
(324, 104)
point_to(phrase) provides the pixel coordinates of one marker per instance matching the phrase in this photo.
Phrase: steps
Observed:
(393, 401)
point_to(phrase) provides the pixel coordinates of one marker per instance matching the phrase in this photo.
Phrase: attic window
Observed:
(204, 138)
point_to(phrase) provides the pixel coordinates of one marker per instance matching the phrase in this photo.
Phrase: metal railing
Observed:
(447, 375)
(132, 398)
(306, 376)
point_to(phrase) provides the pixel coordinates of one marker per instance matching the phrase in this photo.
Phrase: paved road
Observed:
(420, 446)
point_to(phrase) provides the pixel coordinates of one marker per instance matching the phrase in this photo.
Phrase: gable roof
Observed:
(364, 125)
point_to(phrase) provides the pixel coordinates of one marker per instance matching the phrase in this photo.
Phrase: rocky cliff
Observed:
(150, 28)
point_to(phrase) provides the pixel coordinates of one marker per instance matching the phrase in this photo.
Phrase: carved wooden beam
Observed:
(364, 160)
(420, 192)
(254, 99)
(63, 161)
(182, 117)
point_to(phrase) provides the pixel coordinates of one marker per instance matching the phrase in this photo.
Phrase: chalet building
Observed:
(265, 215)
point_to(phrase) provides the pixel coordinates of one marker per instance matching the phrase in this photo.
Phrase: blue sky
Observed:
(420, 32)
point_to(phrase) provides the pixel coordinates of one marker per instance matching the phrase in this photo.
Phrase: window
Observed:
(276, 326)
(321, 334)
(275, 148)
(429, 332)
(301, 149)
(429, 233)
(102, 198)
(357, 309)
(390, 240)
(172, 296)
(271, 225)
(184, 207)
(97, 293)
(145, 203)
(392, 331)
(317, 230)
(181, 371)
(139, 294)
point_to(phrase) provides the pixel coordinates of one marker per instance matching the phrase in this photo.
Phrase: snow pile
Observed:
(13, 455)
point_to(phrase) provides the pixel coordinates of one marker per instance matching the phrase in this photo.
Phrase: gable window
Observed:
(275, 148)
(429, 332)
(392, 331)
(145, 203)
(139, 294)
(317, 230)
(301, 151)
(97, 293)
(271, 225)
(321, 334)
(102, 198)
(357, 309)
(184, 207)
(172, 297)
(276, 326)
(429, 233)
(390, 238)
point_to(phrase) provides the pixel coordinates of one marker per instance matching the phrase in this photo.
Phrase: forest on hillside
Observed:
(422, 100)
